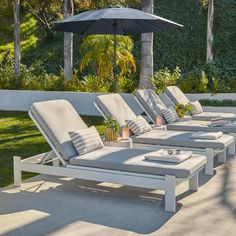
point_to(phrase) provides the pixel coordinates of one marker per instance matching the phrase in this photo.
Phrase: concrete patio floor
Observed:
(48, 205)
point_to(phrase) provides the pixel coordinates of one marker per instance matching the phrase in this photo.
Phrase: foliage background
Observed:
(185, 48)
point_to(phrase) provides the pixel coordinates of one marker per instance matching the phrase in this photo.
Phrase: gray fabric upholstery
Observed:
(138, 125)
(166, 100)
(176, 95)
(151, 102)
(113, 105)
(170, 115)
(86, 140)
(209, 115)
(197, 125)
(57, 118)
(180, 139)
(132, 160)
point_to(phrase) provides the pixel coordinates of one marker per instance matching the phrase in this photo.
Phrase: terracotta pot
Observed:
(110, 135)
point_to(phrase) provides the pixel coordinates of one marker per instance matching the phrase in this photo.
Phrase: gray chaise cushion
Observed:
(57, 118)
(176, 95)
(197, 125)
(166, 100)
(113, 105)
(181, 139)
(209, 115)
(151, 102)
(132, 160)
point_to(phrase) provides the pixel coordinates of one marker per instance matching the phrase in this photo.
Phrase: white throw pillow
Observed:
(196, 107)
(138, 125)
(170, 115)
(86, 140)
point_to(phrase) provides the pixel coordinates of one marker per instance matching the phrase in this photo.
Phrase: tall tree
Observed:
(68, 10)
(146, 72)
(45, 11)
(16, 6)
(210, 20)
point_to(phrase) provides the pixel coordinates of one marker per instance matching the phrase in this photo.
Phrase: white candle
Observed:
(158, 121)
(125, 133)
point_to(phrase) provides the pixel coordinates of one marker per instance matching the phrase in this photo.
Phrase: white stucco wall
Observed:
(19, 100)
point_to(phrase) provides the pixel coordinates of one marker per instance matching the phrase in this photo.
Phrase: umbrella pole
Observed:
(114, 68)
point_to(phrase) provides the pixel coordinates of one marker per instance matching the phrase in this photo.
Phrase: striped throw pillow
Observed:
(170, 115)
(138, 125)
(196, 107)
(86, 140)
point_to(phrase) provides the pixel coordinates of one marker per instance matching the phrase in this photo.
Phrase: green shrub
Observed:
(164, 77)
(195, 81)
(126, 84)
(183, 109)
(92, 83)
(218, 103)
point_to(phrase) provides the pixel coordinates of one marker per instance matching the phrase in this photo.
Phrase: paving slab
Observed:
(47, 205)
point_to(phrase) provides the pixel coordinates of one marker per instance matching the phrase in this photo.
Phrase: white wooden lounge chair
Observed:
(117, 165)
(152, 104)
(112, 105)
(177, 96)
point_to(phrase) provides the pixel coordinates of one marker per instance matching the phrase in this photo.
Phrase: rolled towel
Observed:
(207, 135)
(162, 155)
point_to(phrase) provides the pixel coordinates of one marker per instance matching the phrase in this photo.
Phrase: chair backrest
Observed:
(56, 118)
(151, 102)
(113, 105)
(176, 95)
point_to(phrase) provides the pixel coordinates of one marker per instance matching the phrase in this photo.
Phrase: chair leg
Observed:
(193, 182)
(231, 150)
(56, 162)
(170, 204)
(222, 157)
(17, 171)
(209, 167)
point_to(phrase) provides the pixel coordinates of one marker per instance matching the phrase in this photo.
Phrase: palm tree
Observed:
(97, 51)
(68, 9)
(146, 72)
(210, 19)
(16, 6)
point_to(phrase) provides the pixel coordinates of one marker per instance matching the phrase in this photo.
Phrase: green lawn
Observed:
(20, 137)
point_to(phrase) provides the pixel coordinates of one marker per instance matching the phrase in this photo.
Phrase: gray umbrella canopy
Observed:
(121, 21)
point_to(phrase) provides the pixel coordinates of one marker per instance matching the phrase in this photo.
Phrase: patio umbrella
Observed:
(116, 21)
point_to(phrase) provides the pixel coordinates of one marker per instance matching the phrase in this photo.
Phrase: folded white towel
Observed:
(218, 123)
(207, 135)
(162, 155)
(216, 118)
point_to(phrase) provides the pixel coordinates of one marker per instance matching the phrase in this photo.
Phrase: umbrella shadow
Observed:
(227, 189)
(75, 201)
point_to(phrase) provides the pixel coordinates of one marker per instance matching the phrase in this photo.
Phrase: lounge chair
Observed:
(177, 96)
(151, 103)
(55, 119)
(112, 105)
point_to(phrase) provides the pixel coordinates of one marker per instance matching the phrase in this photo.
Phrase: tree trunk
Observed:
(210, 19)
(16, 39)
(68, 10)
(146, 72)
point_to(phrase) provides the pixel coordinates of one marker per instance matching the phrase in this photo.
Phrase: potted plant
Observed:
(183, 109)
(111, 129)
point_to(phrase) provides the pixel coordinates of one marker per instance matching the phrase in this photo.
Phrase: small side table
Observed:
(128, 143)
